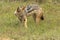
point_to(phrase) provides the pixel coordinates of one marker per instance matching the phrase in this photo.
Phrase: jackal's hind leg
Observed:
(34, 17)
(37, 20)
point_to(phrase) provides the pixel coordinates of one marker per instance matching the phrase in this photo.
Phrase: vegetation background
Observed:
(11, 28)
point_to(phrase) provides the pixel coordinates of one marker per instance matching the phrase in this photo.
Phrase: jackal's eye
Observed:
(18, 11)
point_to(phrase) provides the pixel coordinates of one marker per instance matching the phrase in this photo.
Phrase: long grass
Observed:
(48, 29)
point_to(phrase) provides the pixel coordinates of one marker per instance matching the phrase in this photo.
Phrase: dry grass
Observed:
(11, 29)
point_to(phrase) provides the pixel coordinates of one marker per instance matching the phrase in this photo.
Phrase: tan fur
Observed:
(37, 14)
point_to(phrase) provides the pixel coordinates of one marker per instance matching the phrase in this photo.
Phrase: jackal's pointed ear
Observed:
(23, 7)
(18, 9)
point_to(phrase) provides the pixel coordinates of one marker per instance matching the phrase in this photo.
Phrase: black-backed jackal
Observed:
(29, 10)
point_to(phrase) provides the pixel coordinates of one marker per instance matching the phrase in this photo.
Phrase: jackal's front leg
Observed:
(25, 21)
(37, 19)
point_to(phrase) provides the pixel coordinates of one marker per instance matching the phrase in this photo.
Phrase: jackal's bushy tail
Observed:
(42, 17)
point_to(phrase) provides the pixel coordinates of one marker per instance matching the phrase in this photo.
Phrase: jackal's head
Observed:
(19, 11)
